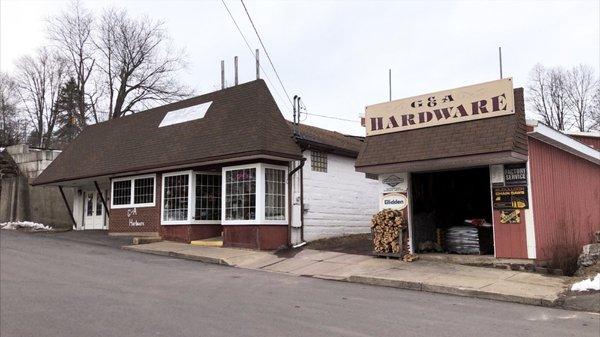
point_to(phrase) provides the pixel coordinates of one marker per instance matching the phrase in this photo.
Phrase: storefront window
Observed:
(143, 192)
(240, 202)
(255, 194)
(175, 203)
(208, 197)
(135, 191)
(121, 192)
(274, 194)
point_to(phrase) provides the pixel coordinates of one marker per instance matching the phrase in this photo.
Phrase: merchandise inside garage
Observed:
(451, 212)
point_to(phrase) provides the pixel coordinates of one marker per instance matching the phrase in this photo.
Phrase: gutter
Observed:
(290, 175)
(559, 140)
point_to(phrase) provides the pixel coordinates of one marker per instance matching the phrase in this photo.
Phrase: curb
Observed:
(380, 281)
(178, 255)
(438, 289)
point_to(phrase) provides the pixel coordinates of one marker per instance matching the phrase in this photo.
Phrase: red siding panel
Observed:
(566, 197)
(509, 239)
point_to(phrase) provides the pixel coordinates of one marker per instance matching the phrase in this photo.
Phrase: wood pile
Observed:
(386, 227)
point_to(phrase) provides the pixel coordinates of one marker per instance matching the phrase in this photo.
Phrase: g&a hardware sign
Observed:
(485, 100)
(397, 201)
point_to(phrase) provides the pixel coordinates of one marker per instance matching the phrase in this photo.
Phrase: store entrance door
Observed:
(93, 211)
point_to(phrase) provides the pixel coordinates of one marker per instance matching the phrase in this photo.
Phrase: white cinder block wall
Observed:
(337, 202)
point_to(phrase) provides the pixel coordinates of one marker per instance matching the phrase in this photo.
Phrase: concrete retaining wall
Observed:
(20, 201)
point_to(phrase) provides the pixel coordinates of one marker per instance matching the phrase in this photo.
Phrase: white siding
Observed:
(338, 202)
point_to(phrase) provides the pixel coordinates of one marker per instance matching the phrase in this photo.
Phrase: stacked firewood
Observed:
(386, 226)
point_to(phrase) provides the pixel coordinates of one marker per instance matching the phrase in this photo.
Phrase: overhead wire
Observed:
(266, 52)
(251, 52)
(272, 64)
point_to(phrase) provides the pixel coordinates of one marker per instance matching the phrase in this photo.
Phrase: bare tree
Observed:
(548, 95)
(138, 63)
(72, 33)
(595, 114)
(39, 79)
(581, 88)
(11, 123)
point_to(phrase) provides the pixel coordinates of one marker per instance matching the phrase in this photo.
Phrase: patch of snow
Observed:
(25, 225)
(589, 284)
(185, 114)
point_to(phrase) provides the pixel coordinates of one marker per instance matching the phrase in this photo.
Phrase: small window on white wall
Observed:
(176, 196)
(318, 161)
(274, 194)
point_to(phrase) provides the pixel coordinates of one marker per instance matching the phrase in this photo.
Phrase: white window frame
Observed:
(191, 199)
(131, 204)
(260, 218)
(193, 202)
(189, 173)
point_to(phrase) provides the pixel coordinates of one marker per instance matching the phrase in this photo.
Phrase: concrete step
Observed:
(210, 242)
(140, 240)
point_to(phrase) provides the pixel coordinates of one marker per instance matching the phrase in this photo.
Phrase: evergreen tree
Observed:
(69, 121)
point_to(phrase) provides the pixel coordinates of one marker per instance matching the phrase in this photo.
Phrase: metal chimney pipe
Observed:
(257, 65)
(235, 66)
(222, 74)
(500, 60)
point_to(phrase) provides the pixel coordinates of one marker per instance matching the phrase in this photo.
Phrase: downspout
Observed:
(290, 175)
(302, 204)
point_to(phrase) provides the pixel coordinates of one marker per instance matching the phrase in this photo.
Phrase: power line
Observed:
(271, 62)
(330, 117)
(266, 52)
(251, 52)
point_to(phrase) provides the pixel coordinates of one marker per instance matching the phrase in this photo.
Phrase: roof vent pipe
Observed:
(257, 66)
(235, 67)
(222, 74)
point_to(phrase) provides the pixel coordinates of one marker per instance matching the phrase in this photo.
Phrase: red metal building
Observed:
(469, 153)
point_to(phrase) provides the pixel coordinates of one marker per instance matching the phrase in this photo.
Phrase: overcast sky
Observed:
(336, 54)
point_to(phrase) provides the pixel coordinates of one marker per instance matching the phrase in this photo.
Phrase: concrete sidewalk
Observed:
(488, 283)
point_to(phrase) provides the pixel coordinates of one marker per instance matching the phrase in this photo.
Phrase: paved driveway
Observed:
(55, 286)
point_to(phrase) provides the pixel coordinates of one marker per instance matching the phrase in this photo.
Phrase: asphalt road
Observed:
(62, 285)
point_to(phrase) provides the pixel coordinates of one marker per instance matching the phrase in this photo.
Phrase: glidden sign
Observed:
(485, 100)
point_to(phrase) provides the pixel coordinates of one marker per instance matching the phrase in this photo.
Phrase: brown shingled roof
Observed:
(313, 137)
(243, 120)
(490, 135)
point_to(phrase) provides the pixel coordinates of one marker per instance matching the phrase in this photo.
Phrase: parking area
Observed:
(94, 237)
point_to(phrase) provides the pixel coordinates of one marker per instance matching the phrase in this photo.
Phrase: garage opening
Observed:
(452, 212)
